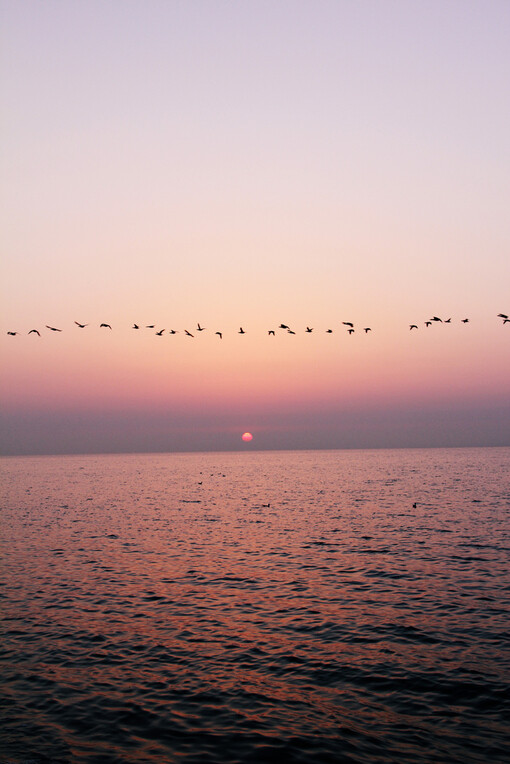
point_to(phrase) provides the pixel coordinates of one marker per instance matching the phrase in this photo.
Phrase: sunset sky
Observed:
(250, 164)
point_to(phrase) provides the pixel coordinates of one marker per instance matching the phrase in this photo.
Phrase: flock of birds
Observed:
(271, 332)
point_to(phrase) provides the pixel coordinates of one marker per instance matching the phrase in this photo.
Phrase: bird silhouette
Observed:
(271, 332)
(160, 333)
(367, 329)
(135, 326)
(188, 334)
(53, 329)
(172, 331)
(502, 315)
(329, 331)
(150, 326)
(413, 326)
(82, 326)
(283, 326)
(435, 318)
(309, 330)
(13, 334)
(506, 320)
(220, 335)
(241, 330)
(106, 326)
(428, 323)
(34, 331)
(200, 328)
(350, 331)
(465, 320)
(289, 331)
(448, 320)
(348, 323)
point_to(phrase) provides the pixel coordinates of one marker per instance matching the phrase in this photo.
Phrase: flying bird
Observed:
(13, 334)
(135, 326)
(200, 328)
(241, 330)
(160, 333)
(435, 318)
(367, 329)
(82, 326)
(289, 331)
(172, 331)
(283, 326)
(188, 334)
(220, 335)
(151, 326)
(506, 320)
(309, 330)
(348, 323)
(106, 326)
(428, 323)
(448, 320)
(34, 331)
(350, 331)
(413, 326)
(329, 331)
(465, 320)
(53, 329)
(502, 315)
(271, 332)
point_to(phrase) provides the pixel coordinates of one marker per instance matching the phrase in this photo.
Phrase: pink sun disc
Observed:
(247, 436)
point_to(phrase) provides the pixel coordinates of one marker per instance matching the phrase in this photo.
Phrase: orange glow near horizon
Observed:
(130, 370)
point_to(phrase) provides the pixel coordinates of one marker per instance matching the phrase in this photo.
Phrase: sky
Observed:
(246, 165)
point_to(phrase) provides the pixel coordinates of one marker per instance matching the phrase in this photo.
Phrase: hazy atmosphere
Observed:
(218, 166)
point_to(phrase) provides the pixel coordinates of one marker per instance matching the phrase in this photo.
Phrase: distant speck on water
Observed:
(152, 626)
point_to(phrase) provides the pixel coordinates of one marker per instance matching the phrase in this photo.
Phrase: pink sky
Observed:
(250, 164)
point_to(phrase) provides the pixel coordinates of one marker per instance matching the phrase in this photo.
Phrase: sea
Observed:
(299, 606)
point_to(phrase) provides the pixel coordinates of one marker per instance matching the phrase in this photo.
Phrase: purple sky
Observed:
(246, 164)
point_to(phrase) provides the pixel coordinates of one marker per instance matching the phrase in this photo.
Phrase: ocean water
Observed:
(336, 606)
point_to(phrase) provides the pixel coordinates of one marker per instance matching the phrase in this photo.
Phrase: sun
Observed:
(247, 436)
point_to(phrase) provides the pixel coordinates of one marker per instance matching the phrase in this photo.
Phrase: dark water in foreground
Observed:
(155, 609)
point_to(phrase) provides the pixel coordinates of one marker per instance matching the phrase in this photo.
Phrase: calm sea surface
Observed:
(257, 607)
